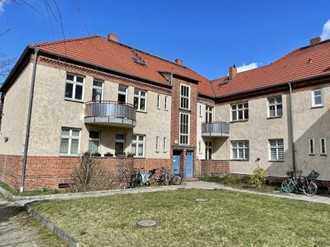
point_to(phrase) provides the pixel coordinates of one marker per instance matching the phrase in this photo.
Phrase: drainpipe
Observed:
(28, 125)
(290, 130)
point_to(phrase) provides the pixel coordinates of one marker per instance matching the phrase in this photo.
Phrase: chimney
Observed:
(315, 41)
(178, 61)
(113, 37)
(232, 72)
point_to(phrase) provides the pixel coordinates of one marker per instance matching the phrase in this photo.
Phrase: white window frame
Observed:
(158, 101)
(98, 87)
(200, 111)
(184, 134)
(138, 94)
(70, 137)
(98, 140)
(237, 145)
(157, 144)
(311, 143)
(323, 152)
(186, 97)
(277, 146)
(122, 93)
(164, 144)
(276, 105)
(136, 141)
(313, 98)
(208, 146)
(209, 110)
(237, 110)
(74, 85)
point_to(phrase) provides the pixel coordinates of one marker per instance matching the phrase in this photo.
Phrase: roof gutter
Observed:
(290, 130)
(28, 125)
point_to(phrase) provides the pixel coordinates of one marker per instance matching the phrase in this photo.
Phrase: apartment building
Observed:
(135, 109)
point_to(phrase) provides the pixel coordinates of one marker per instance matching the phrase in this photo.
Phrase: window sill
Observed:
(239, 121)
(324, 155)
(311, 154)
(141, 111)
(74, 100)
(184, 109)
(276, 161)
(69, 155)
(317, 106)
(239, 160)
(139, 158)
(269, 118)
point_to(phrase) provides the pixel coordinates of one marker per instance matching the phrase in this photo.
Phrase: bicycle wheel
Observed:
(310, 189)
(287, 186)
(176, 180)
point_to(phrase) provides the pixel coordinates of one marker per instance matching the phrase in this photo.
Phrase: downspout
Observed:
(290, 130)
(28, 125)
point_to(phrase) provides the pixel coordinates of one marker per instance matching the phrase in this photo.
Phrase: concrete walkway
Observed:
(20, 200)
(14, 230)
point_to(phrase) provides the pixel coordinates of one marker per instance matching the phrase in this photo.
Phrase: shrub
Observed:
(258, 178)
(90, 176)
(230, 179)
(108, 154)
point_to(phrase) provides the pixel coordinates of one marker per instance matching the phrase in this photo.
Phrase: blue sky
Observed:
(208, 35)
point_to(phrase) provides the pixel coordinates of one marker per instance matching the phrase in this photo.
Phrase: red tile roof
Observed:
(100, 51)
(299, 64)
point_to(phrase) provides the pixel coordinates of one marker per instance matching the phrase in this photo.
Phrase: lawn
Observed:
(226, 219)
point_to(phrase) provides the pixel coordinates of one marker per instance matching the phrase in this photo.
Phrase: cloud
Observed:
(326, 31)
(246, 67)
(2, 4)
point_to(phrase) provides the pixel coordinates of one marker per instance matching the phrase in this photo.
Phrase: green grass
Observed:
(227, 219)
(240, 183)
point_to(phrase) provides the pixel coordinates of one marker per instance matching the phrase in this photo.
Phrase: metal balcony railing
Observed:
(110, 113)
(215, 129)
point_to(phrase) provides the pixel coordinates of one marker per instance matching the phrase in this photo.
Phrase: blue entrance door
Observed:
(176, 165)
(188, 171)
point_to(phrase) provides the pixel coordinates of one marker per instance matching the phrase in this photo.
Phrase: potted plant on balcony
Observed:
(108, 154)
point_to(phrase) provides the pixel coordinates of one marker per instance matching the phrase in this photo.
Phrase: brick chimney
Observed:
(232, 72)
(178, 61)
(315, 41)
(113, 37)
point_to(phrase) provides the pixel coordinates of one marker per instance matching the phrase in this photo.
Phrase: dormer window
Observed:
(138, 59)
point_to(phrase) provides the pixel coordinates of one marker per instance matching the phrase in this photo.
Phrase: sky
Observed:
(209, 36)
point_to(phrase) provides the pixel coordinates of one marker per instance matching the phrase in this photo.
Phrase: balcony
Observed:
(110, 113)
(215, 129)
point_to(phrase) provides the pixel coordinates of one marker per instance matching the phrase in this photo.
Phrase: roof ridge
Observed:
(64, 40)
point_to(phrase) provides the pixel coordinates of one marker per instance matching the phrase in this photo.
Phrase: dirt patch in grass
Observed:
(226, 219)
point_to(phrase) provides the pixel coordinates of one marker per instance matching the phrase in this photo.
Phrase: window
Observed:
(69, 141)
(323, 146)
(185, 97)
(119, 144)
(97, 93)
(165, 104)
(317, 98)
(94, 142)
(140, 100)
(275, 108)
(200, 146)
(276, 150)
(311, 144)
(164, 145)
(208, 150)
(240, 150)
(158, 101)
(240, 112)
(209, 114)
(184, 128)
(74, 87)
(122, 94)
(138, 145)
(200, 111)
(157, 144)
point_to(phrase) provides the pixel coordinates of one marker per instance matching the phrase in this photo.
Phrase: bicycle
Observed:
(298, 184)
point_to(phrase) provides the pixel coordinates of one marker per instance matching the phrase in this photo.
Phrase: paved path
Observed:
(15, 227)
(186, 185)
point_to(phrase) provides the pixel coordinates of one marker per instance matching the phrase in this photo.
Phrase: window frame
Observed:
(277, 150)
(121, 93)
(166, 103)
(181, 134)
(117, 140)
(185, 97)
(94, 139)
(323, 152)
(158, 101)
(136, 141)
(237, 110)
(208, 147)
(74, 84)
(138, 95)
(310, 151)
(70, 137)
(314, 105)
(164, 144)
(157, 144)
(245, 146)
(209, 111)
(276, 106)
(98, 87)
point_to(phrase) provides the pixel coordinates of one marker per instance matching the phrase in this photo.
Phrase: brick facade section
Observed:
(214, 167)
(49, 172)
